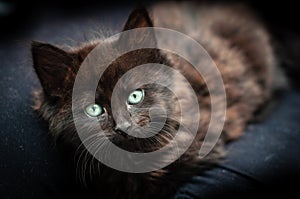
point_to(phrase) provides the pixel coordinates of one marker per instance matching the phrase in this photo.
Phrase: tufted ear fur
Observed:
(52, 65)
(139, 18)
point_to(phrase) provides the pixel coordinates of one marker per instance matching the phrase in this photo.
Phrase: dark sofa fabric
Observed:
(266, 161)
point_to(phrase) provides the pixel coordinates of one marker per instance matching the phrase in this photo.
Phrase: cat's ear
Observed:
(139, 18)
(51, 65)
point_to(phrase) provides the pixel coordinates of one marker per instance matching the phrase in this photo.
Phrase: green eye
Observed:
(136, 97)
(94, 110)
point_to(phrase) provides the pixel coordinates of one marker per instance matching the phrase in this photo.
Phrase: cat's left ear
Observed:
(139, 18)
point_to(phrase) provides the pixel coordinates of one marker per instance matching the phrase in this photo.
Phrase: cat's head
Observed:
(57, 69)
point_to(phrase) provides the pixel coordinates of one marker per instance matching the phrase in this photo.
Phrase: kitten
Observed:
(237, 42)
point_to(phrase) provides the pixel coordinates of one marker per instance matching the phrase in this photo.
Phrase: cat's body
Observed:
(238, 44)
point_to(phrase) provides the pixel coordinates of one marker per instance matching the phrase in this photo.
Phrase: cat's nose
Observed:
(124, 126)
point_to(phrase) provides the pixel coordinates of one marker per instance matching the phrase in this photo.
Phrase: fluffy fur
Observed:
(238, 44)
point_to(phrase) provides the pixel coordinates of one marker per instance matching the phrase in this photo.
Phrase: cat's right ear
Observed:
(52, 65)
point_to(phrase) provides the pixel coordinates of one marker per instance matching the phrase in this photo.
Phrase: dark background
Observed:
(18, 17)
(29, 165)
(281, 15)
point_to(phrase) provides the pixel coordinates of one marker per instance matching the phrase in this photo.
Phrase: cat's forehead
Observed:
(127, 72)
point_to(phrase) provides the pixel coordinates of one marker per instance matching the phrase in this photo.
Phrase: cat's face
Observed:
(126, 109)
(133, 109)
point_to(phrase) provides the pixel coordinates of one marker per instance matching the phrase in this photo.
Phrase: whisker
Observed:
(96, 152)
(82, 160)
(92, 156)
(81, 153)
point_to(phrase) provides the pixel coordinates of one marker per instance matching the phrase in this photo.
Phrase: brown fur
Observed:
(236, 41)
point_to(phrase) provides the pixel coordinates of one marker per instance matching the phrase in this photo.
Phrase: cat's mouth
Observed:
(127, 140)
(119, 132)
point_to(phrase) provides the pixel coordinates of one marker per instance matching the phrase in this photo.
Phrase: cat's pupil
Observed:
(134, 95)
